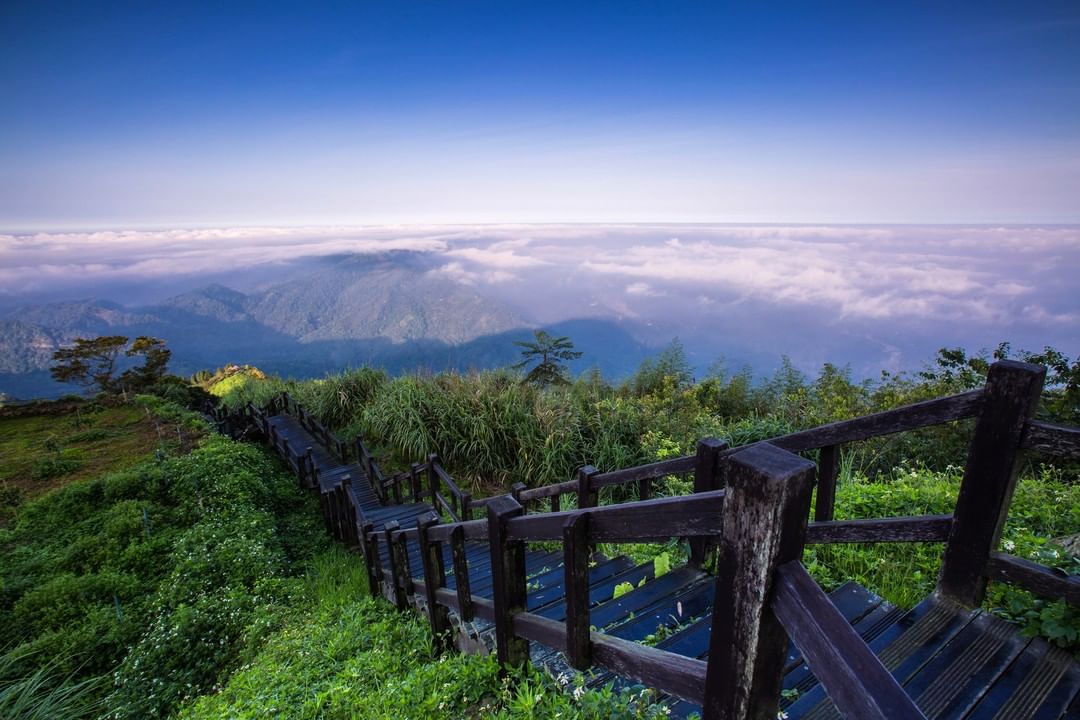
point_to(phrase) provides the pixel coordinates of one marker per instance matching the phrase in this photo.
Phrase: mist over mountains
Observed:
(305, 301)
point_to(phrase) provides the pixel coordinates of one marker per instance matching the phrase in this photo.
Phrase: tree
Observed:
(669, 365)
(155, 359)
(551, 353)
(89, 362)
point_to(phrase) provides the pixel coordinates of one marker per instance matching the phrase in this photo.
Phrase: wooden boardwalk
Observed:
(953, 662)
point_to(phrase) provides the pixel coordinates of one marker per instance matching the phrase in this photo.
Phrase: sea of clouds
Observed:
(945, 285)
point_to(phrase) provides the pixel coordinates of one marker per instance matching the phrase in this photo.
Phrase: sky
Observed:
(134, 116)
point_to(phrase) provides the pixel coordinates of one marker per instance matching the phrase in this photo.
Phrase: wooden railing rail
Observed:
(853, 677)
(1050, 439)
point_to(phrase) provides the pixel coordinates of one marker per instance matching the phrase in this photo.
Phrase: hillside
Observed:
(339, 312)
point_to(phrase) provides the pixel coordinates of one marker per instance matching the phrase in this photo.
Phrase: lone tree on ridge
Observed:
(551, 352)
(92, 362)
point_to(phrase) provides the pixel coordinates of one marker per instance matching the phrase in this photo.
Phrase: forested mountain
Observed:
(389, 310)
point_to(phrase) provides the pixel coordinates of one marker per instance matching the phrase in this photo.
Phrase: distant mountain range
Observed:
(390, 310)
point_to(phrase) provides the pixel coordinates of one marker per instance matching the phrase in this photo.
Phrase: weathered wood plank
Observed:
(856, 681)
(570, 486)
(431, 557)
(827, 471)
(1010, 396)
(586, 490)
(1039, 579)
(920, 528)
(639, 521)
(397, 573)
(545, 631)
(461, 573)
(1050, 439)
(651, 471)
(764, 525)
(706, 479)
(909, 417)
(508, 575)
(677, 675)
(576, 581)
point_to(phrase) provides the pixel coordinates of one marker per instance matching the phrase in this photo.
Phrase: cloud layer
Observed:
(982, 275)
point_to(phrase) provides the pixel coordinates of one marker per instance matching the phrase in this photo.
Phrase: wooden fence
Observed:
(752, 504)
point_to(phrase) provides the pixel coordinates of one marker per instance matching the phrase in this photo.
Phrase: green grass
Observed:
(46, 692)
(161, 578)
(39, 453)
(345, 655)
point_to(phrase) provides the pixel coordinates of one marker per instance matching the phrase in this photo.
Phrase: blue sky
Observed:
(156, 115)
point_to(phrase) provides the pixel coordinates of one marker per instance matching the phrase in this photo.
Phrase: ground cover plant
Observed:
(151, 581)
(345, 655)
(40, 451)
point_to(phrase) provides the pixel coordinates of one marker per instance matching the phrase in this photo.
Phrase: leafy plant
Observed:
(549, 353)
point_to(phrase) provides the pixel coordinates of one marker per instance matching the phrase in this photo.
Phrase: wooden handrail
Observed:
(853, 677)
(652, 471)
(752, 501)
(1050, 439)
(920, 528)
(1042, 580)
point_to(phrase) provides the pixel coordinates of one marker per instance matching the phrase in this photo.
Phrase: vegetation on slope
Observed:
(492, 430)
(59, 443)
(345, 655)
(160, 576)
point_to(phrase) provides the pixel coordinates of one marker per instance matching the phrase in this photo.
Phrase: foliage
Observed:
(548, 353)
(44, 692)
(155, 360)
(669, 365)
(89, 362)
(346, 655)
(167, 574)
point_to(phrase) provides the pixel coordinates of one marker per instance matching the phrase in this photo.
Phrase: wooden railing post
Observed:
(586, 493)
(466, 509)
(348, 508)
(395, 489)
(508, 578)
(827, 470)
(309, 467)
(764, 525)
(1010, 398)
(515, 492)
(461, 574)
(431, 556)
(433, 479)
(414, 479)
(706, 479)
(324, 506)
(369, 540)
(576, 582)
(399, 564)
(588, 496)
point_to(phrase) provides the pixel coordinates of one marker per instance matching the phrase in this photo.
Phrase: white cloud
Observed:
(970, 274)
(644, 289)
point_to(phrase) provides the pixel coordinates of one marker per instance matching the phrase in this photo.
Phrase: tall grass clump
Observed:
(44, 690)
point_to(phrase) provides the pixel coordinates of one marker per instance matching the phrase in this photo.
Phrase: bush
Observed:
(166, 573)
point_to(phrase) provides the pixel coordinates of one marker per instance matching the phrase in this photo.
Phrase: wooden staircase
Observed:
(941, 659)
